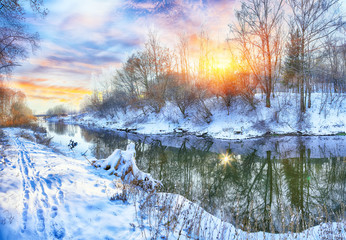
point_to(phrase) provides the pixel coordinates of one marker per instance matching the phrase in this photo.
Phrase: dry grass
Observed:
(164, 216)
(39, 134)
(3, 145)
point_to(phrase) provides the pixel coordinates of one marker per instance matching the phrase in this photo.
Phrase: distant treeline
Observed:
(13, 110)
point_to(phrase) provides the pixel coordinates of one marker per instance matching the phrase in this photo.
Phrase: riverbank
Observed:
(325, 117)
(279, 146)
(58, 197)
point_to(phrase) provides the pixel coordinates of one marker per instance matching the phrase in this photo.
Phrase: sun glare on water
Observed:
(225, 158)
(228, 158)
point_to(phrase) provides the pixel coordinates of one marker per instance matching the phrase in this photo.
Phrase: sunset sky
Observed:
(82, 39)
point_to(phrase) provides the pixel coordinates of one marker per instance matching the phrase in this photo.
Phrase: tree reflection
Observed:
(271, 192)
(103, 143)
(259, 189)
(58, 128)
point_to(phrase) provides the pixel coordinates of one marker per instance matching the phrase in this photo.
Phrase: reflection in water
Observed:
(267, 192)
(62, 129)
(58, 128)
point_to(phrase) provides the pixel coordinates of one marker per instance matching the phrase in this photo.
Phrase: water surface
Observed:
(272, 184)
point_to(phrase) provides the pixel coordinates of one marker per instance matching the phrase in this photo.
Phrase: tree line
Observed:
(13, 110)
(300, 52)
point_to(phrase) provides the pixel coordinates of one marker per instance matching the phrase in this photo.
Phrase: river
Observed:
(275, 184)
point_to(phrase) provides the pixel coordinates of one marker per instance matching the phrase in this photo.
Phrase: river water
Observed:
(275, 184)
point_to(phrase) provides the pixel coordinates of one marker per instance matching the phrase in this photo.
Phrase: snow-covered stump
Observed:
(123, 164)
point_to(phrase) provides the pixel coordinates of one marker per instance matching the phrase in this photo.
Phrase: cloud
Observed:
(35, 90)
(173, 17)
(74, 21)
(29, 79)
(74, 66)
(82, 37)
(52, 89)
(39, 97)
(142, 8)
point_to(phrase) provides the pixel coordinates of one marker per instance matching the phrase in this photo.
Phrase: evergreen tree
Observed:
(292, 62)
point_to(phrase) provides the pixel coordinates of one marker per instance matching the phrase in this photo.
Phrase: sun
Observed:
(223, 62)
(222, 65)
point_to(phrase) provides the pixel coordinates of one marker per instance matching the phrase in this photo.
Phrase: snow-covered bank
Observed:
(44, 195)
(326, 116)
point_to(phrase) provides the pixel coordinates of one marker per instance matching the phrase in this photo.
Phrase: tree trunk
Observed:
(303, 76)
(302, 102)
(309, 96)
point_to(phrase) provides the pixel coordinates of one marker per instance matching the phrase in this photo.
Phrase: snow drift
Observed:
(123, 164)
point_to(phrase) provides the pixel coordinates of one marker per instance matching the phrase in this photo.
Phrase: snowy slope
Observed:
(325, 117)
(48, 196)
(44, 195)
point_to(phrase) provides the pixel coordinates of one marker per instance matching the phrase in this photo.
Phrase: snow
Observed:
(326, 116)
(46, 195)
(123, 164)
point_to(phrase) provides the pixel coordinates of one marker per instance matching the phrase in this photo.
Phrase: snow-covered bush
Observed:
(123, 164)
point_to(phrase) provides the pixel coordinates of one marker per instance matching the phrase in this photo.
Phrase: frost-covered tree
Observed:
(15, 37)
(334, 54)
(57, 110)
(145, 76)
(159, 61)
(314, 21)
(257, 33)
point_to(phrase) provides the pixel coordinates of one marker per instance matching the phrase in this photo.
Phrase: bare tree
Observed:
(128, 78)
(328, 72)
(314, 21)
(182, 94)
(181, 90)
(184, 57)
(160, 62)
(258, 34)
(15, 38)
(141, 82)
(334, 51)
(205, 57)
(204, 73)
